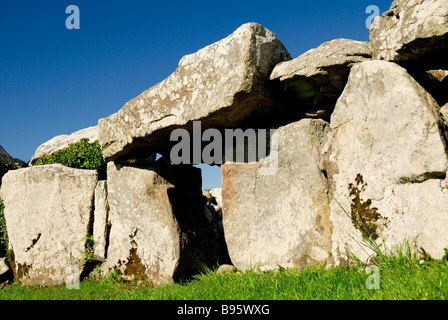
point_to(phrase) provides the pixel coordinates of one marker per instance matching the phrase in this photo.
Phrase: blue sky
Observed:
(56, 81)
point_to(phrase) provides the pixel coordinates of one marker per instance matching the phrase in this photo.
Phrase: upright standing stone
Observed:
(48, 213)
(101, 223)
(280, 219)
(158, 225)
(386, 162)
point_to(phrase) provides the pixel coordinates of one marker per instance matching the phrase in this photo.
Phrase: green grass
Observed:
(401, 277)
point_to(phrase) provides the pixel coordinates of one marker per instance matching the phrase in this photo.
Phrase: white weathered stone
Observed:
(385, 130)
(158, 225)
(221, 84)
(48, 212)
(316, 79)
(63, 141)
(282, 218)
(318, 61)
(101, 223)
(412, 31)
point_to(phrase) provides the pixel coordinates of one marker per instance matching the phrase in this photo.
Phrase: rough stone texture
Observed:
(222, 85)
(413, 31)
(316, 79)
(48, 211)
(385, 128)
(101, 223)
(63, 141)
(158, 225)
(281, 219)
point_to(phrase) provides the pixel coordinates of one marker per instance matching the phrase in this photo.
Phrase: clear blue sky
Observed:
(56, 81)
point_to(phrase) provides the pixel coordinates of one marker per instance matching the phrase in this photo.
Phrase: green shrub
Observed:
(79, 155)
(89, 249)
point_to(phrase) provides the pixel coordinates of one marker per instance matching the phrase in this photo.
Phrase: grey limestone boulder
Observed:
(386, 162)
(158, 226)
(316, 79)
(413, 33)
(48, 213)
(101, 223)
(221, 85)
(280, 218)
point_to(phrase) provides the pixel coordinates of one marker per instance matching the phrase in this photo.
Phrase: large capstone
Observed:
(222, 85)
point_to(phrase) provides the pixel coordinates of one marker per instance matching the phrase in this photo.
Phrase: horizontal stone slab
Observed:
(221, 85)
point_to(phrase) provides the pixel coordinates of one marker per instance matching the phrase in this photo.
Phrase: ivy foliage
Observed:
(78, 155)
(89, 256)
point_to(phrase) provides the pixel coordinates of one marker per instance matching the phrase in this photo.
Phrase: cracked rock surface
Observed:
(413, 32)
(221, 85)
(386, 128)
